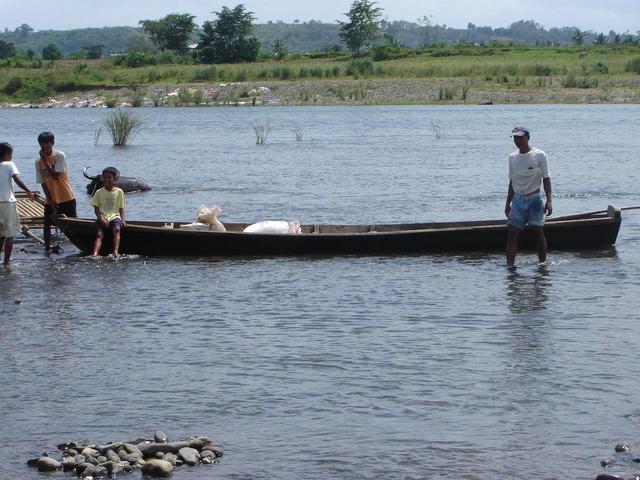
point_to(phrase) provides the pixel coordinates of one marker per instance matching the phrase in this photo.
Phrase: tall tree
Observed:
(171, 32)
(51, 52)
(7, 49)
(577, 36)
(226, 40)
(426, 22)
(93, 52)
(600, 39)
(23, 31)
(363, 26)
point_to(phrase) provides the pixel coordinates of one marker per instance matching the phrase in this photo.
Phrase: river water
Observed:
(394, 367)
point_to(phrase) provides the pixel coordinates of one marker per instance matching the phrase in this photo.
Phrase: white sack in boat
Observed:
(209, 216)
(274, 226)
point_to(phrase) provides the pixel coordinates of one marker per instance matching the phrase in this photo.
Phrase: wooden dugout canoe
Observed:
(576, 232)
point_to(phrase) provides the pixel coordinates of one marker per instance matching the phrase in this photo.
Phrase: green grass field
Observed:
(495, 67)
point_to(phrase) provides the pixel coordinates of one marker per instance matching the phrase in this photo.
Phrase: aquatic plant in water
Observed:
(123, 126)
(262, 132)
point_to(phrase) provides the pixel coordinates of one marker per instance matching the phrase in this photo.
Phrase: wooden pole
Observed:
(27, 233)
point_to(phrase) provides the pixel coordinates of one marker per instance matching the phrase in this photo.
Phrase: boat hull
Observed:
(154, 239)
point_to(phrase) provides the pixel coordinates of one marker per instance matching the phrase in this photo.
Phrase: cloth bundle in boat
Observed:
(209, 216)
(274, 226)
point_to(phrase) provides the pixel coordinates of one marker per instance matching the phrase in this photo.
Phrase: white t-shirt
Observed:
(7, 171)
(59, 167)
(527, 170)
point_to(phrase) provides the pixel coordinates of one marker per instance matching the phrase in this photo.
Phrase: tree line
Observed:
(234, 37)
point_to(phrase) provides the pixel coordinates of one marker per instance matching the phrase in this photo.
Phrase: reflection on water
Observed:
(528, 292)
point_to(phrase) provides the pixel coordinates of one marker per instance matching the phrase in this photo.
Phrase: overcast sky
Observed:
(597, 15)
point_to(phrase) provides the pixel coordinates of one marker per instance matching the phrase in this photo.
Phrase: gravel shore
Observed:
(613, 90)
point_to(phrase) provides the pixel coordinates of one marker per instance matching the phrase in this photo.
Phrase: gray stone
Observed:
(101, 472)
(80, 459)
(122, 453)
(609, 476)
(623, 447)
(191, 456)
(207, 461)
(112, 456)
(103, 449)
(200, 442)
(160, 437)
(607, 462)
(218, 451)
(33, 462)
(157, 468)
(89, 452)
(102, 459)
(150, 449)
(171, 458)
(141, 440)
(69, 452)
(69, 463)
(127, 468)
(208, 454)
(179, 462)
(85, 470)
(131, 448)
(64, 446)
(132, 457)
(48, 464)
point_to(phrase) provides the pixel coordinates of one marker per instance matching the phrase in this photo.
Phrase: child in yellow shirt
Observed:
(108, 203)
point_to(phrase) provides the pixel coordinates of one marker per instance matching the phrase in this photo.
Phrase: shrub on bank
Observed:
(633, 65)
(13, 85)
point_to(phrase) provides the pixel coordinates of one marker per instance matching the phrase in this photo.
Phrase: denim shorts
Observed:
(526, 210)
(114, 225)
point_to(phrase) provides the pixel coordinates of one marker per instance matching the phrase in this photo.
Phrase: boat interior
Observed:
(381, 228)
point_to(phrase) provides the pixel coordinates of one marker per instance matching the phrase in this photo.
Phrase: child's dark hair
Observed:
(46, 137)
(113, 171)
(4, 149)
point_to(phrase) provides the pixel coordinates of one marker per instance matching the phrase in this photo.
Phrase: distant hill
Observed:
(113, 39)
(306, 36)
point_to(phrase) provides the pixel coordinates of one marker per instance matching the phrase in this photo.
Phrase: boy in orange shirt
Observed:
(52, 174)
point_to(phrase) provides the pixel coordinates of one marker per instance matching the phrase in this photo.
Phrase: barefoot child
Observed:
(9, 219)
(108, 203)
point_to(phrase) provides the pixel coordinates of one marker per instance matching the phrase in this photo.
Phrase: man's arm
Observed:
(49, 196)
(507, 207)
(21, 184)
(546, 184)
(51, 169)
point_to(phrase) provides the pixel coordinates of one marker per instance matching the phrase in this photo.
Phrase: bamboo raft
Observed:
(31, 214)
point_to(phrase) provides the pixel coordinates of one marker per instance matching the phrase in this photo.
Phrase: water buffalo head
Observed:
(127, 184)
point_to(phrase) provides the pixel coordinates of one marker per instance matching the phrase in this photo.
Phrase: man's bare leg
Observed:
(512, 244)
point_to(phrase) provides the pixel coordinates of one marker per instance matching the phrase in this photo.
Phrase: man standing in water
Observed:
(51, 173)
(528, 168)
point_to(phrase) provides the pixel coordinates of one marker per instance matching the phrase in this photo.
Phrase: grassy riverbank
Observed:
(500, 74)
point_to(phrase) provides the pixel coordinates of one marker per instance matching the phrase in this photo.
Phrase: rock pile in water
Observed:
(624, 459)
(155, 457)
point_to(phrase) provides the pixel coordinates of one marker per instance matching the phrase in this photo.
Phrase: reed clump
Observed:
(122, 126)
(262, 131)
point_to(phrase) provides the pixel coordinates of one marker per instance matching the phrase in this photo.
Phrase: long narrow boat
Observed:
(575, 232)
